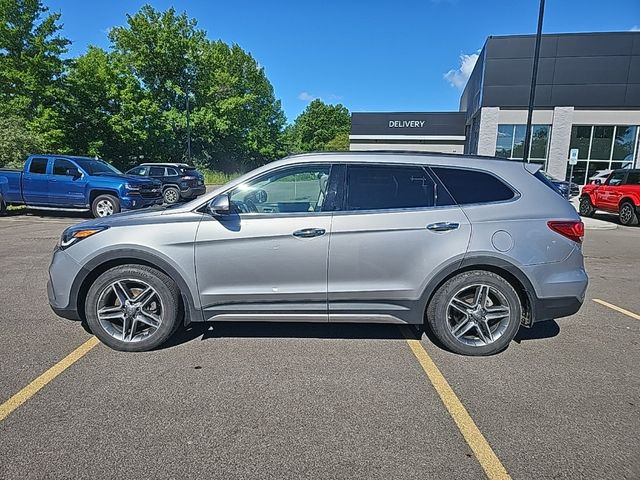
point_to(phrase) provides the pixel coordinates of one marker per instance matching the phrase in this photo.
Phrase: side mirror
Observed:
(219, 205)
(73, 172)
(597, 181)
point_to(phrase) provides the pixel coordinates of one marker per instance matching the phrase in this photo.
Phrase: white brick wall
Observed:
(488, 130)
(560, 139)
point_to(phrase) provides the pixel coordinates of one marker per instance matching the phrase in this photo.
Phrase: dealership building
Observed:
(587, 98)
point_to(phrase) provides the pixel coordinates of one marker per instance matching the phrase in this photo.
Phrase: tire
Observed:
(444, 319)
(586, 208)
(105, 205)
(628, 214)
(162, 303)
(3, 206)
(171, 195)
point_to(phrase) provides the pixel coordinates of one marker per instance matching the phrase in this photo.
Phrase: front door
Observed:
(67, 190)
(397, 229)
(267, 259)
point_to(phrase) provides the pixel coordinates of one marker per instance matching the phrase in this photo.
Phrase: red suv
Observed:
(620, 193)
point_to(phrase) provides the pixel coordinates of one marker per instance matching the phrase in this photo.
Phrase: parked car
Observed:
(566, 189)
(600, 175)
(619, 193)
(179, 180)
(335, 237)
(63, 182)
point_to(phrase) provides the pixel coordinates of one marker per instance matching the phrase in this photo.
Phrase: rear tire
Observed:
(124, 317)
(586, 208)
(628, 214)
(3, 206)
(468, 321)
(171, 195)
(104, 206)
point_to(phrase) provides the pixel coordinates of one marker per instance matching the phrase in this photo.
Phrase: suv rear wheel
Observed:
(628, 214)
(475, 313)
(586, 207)
(133, 308)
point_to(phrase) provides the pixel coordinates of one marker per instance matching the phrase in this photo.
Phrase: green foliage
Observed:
(214, 177)
(16, 142)
(319, 127)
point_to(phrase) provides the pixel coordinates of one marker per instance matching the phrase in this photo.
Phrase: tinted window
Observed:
(61, 165)
(380, 187)
(633, 178)
(171, 172)
(472, 186)
(156, 172)
(38, 165)
(616, 178)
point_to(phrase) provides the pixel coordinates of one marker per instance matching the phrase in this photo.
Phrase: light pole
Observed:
(532, 93)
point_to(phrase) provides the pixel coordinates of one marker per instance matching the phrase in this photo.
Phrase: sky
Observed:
(368, 55)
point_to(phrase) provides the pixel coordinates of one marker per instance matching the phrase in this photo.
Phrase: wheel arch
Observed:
(507, 270)
(96, 192)
(100, 264)
(635, 201)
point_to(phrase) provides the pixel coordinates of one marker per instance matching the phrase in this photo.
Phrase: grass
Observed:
(212, 177)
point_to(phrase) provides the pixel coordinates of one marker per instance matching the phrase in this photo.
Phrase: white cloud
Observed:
(458, 77)
(635, 28)
(306, 97)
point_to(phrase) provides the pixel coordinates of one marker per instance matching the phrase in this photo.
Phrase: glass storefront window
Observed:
(624, 143)
(602, 147)
(580, 139)
(601, 143)
(510, 142)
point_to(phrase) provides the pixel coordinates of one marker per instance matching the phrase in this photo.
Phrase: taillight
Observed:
(573, 230)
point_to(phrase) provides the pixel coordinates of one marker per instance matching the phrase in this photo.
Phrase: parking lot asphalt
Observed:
(319, 401)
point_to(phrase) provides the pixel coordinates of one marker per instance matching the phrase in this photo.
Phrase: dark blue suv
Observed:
(179, 180)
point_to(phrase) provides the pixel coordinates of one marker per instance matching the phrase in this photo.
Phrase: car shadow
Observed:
(348, 331)
(25, 212)
(539, 331)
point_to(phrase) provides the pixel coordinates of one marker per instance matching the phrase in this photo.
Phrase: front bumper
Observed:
(62, 271)
(133, 202)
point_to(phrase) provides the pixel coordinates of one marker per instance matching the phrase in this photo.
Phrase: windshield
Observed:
(96, 167)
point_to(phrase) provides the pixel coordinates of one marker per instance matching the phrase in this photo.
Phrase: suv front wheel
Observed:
(133, 308)
(475, 313)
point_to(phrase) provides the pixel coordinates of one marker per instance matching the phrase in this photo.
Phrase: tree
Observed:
(319, 127)
(31, 70)
(16, 142)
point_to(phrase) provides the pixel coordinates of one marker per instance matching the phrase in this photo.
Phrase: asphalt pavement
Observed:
(250, 400)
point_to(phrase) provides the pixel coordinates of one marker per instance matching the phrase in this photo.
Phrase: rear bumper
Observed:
(555, 307)
(193, 192)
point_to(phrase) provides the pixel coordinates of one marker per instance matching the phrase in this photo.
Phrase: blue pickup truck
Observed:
(62, 182)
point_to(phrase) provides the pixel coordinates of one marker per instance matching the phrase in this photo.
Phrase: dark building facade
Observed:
(587, 98)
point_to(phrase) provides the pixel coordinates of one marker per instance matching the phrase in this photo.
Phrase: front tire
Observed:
(586, 207)
(105, 205)
(171, 195)
(475, 313)
(133, 308)
(628, 214)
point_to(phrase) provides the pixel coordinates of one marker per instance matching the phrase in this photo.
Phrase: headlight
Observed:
(73, 235)
(131, 187)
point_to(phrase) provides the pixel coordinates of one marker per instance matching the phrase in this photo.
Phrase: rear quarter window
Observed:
(472, 186)
(633, 178)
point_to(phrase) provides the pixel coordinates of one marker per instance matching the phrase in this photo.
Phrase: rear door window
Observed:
(385, 187)
(156, 172)
(38, 165)
(472, 186)
(633, 178)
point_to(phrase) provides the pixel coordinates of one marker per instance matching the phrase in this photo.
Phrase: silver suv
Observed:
(471, 247)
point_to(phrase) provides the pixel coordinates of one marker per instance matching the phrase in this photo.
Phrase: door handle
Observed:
(442, 226)
(309, 232)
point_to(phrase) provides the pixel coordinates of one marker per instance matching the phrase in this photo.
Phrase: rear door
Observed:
(35, 182)
(67, 190)
(397, 228)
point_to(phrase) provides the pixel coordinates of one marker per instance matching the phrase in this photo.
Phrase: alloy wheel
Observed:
(478, 315)
(626, 213)
(104, 208)
(130, 310)
(170, 196)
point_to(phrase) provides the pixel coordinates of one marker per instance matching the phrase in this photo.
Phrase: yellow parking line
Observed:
(617, 308)
(489, 462)
(35, 386)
